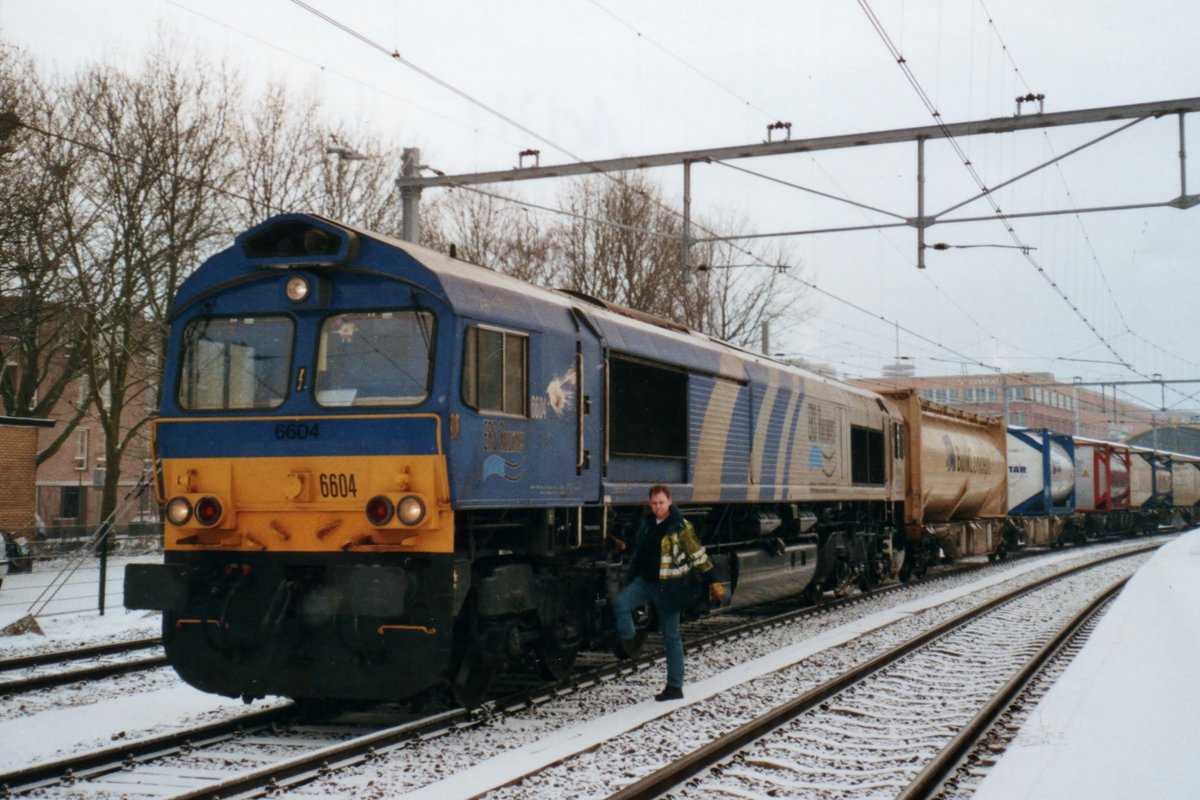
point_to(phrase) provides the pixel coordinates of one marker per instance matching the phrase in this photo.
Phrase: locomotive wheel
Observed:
(554, 661)
(472, 668)
(813, 595)
(471, 676)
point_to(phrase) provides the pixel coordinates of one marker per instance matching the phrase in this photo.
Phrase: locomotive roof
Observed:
(489, 295)
(627, 330)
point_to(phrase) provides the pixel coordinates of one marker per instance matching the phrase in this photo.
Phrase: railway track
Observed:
(827, 743)
(45, 670)
(962, 778)
(288, 751)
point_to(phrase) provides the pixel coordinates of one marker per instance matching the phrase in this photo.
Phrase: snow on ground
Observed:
(571, 740)
(1123, 720)
(127, 708)
(1120, 723)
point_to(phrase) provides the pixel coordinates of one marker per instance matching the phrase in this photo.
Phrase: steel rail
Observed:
(111, 759)
(309, 766)
(680, 770)
(77, 654)
(95, 673)
(930, 779)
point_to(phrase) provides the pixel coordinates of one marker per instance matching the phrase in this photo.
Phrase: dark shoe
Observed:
(629, 648)
(669, 693)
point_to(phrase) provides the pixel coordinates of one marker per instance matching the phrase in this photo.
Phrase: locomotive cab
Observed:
(308, 536)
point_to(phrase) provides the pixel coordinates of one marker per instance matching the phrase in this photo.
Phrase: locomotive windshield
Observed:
(235, 363)
(377, 359)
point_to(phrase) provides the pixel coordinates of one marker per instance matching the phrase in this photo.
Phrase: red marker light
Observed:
(208, 510)
(379, 510)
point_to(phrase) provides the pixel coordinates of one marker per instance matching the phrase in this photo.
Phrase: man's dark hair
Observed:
(658, 488)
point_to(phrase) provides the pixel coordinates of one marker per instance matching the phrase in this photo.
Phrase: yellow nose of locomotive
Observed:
(308, 504)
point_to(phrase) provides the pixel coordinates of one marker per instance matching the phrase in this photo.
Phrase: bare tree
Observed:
(41, 346)
(621, 241)
(276, 157)
(158, 147)
(624, 244)
(291, 160)
(739, 288)
(492, 233)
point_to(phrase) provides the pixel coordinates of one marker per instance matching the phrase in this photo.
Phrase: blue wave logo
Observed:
(498, 466)
(816, 458)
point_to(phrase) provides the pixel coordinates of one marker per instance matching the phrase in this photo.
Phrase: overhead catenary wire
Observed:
(986, 193)
(1095, 257)
(396, 56)
(841, 199)
(324, 68)
(644, 37)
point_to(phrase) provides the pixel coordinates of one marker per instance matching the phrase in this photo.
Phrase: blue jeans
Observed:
(639, 593)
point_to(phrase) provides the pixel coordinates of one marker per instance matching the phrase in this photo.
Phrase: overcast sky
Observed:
(593, 80)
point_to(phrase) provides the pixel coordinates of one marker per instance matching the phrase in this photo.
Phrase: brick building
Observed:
(1036, 400)
(69, 483)
(18, 470)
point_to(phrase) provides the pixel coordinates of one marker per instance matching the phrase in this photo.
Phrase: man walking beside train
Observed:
(665, 552)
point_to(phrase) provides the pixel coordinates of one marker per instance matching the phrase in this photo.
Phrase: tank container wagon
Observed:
(1185, 482)
(1102, 487)
(387, 472)
(1185, 488)
(1041, 486)
(1150, 490)
(955, 483)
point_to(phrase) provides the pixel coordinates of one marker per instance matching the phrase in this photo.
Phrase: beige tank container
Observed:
(955, 462)
(1149, 475)
(1185, 480)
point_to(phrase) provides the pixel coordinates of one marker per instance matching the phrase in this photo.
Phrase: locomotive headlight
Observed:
(410, 510)
(296, 289)
(379, 510)
(208, 510)
(179, 511)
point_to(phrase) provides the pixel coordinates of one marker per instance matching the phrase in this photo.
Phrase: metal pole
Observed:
(1004, 397)
(766, 337)
(410, 197)
(687, 217)
(1075, 405)
(103, 553)
(921, 206)
(1182, 159)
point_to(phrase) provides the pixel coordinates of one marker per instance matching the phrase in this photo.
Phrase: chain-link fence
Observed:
(69, 571)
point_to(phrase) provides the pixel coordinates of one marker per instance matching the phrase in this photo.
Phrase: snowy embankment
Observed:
(1124, 718)
(39, 728)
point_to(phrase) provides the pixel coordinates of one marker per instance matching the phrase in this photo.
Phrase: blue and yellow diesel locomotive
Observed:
(386, 471)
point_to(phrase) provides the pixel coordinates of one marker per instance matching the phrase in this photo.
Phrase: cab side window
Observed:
(496, 371)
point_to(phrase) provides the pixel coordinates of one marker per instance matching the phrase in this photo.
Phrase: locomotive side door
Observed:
(590, 407)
